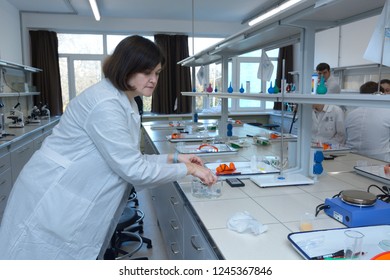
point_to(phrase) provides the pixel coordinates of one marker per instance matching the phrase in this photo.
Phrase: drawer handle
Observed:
(174, 225)
(3, 182)
(2, 198)
(174, 200)
(174, 248)
(193, 243)
(1, 166)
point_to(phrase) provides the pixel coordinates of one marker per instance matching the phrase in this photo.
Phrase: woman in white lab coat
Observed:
(68, 198)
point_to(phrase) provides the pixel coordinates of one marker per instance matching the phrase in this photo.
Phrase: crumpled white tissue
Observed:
(243, 222)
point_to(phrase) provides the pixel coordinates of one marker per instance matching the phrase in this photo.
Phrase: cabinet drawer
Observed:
(196, 246)
(165, 204)
(5, 162)
(5, 189)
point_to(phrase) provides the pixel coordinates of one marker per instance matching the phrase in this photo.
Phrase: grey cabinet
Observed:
(196, 246)
(5, 178)
(184, 239)
(169, 208)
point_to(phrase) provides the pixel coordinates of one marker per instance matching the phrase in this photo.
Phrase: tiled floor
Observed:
(151, 229)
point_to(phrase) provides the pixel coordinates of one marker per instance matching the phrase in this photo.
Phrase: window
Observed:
(81, 57)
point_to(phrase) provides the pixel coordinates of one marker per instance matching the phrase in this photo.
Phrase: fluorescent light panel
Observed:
(95, 9)
(273, 12)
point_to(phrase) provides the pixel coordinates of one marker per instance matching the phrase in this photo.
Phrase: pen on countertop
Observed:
(338, 254)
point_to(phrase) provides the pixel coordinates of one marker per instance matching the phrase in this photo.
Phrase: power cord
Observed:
(385, 196)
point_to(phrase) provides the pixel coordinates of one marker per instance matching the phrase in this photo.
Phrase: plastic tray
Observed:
(318, 243)
(209, 151)
(244, 168)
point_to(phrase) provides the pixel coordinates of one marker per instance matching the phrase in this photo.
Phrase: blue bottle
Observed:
(230, 88)
(242, 89)
(229, 130)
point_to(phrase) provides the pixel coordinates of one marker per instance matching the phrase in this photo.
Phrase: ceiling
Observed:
(204, 10)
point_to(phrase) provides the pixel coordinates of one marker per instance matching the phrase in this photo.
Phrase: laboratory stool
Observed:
(127, 230)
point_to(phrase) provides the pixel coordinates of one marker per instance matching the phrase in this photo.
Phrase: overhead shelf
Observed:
(285, 28)
(347, 99)
(17, 94)
(8, 64)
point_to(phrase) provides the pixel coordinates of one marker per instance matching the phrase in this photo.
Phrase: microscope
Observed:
(45, 112)
(34, 115)
(17, 117)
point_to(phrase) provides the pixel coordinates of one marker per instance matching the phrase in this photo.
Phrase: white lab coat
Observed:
(68, 198)
(332, 85)
(368, 132)
(328, 125)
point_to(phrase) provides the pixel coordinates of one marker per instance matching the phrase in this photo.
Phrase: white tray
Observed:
(206, 151)
(185, 137)
(375, 172)
(318, 243)
(336, 151)
(244, 168)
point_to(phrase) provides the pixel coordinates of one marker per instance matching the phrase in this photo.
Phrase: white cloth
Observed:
(332, 85)
(265, 67)
(243, 222)
(380, 38)
(328, 125)
(368, 132)
(68, 198)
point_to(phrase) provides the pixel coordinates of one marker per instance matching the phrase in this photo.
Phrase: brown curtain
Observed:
(286, 54)
(44, 55)
(174, 78)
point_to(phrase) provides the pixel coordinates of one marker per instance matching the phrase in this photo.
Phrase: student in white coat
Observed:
(68, 198)
(368, 129)
(328, 124)
(323, 70)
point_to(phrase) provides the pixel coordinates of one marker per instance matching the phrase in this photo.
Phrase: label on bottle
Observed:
(314, 83)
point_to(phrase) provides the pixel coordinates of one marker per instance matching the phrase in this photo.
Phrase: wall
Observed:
(72, 23)
(344, 45)
(10, 43)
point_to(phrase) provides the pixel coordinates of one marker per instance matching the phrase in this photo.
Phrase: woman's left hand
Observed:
(190, 158)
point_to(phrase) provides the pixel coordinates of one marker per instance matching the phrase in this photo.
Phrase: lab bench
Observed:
(16, 149)
(196, 228)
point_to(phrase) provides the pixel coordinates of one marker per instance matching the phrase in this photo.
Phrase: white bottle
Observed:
(254, 163)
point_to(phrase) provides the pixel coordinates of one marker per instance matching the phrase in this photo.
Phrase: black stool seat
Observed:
(125, 231)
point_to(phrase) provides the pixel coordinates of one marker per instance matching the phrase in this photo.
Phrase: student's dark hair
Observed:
(134, 54)
(385, 81)
(323, 66)
(370, 87)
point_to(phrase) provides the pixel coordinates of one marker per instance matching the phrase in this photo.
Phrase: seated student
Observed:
(385, 84)
(328, 124)
(368, 129)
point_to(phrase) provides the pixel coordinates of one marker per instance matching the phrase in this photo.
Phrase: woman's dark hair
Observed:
(370, 87)
(134, 54)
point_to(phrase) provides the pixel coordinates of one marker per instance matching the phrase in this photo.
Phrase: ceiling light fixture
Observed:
(95, 9)
(273, 12)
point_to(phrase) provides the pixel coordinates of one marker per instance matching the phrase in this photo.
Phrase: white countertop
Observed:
(280, 208)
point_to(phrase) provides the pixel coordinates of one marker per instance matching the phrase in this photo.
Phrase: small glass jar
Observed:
(200, 190)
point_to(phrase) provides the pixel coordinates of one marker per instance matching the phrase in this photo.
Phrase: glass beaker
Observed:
(200, 190)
